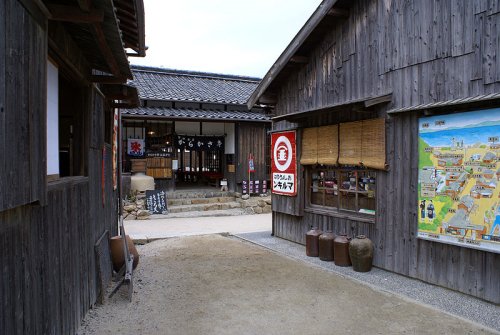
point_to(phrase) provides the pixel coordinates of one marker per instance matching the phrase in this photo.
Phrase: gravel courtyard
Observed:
(214, 284)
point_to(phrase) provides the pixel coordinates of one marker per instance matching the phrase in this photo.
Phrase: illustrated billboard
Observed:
(283, 163)
(458, 179)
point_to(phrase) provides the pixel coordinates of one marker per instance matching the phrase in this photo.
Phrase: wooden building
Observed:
(359, 75)
(196, 128)
(62, 72)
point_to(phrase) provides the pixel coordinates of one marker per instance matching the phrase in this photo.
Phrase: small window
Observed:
(342, 190)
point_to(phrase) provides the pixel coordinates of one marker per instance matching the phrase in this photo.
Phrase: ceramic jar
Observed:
(312, 242)
(361, 253)
(117, 254)
(326, 246)
(341, 250)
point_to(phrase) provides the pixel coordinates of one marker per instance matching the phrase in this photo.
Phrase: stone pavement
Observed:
(143, 231)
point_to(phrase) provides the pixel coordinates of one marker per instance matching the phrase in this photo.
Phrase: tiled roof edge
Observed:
(193, 73)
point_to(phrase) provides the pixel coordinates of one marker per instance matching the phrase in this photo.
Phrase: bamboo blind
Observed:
(328, 144)
(373, 144)
(350, 143)
(309, 152)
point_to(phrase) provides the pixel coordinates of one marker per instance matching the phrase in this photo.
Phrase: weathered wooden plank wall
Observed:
(2, 101)
(23, 83)
(251, 139)
(47, 232)
(56, 284)
(421, 51)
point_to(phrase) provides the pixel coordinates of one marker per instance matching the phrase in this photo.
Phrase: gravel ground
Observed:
(455, 303)
(221, 285)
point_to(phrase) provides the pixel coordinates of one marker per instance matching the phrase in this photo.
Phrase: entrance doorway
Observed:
(200, 167)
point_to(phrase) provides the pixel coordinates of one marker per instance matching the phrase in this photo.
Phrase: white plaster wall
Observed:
(52, 119)
(187, 128)
(230, 138)
(212, 128)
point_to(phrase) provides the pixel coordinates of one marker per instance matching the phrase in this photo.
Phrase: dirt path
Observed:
(218, 285)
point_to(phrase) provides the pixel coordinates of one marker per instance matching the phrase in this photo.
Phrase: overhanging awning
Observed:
(361, 103)
(448, 103)
(121, 95)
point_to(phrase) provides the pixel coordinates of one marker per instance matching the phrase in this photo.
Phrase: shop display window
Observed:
(342, 189)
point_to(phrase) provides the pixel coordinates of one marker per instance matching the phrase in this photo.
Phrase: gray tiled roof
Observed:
(199, 114)
(177, 85)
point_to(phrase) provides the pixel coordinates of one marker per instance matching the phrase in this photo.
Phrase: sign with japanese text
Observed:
(135, 147)
(283, 163)
(458, 179)
(156, 201)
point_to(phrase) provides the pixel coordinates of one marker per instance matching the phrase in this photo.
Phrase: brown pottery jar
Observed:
(117, 254)
(326, 246)
(341, 250)
(312, 242)
(361, 253)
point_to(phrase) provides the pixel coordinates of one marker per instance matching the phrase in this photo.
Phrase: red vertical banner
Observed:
(115, 149)
(284, 163)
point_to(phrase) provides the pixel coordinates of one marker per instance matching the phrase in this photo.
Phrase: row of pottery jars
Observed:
(341, 249)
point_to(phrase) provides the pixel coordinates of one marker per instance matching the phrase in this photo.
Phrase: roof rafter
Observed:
(74, 14)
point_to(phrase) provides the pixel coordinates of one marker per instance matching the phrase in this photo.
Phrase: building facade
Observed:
(63, 69)
(196, 129)
(367, 87)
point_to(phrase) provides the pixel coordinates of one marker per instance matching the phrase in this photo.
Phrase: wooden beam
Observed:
(267, 99)
(85, 5)
(125, 13)
(106, 51)
(107, 79)
(124, 105)
(378, 100)
(338, 12)
(299, 59)
(134, 55)
(74, 14)
(63, 48)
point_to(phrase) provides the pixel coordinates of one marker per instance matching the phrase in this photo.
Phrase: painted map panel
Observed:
(459, 179)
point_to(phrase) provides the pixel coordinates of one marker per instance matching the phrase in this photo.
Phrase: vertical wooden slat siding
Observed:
(251, 139)
(47, 231)
(3, 38)
(49, 292)
(22, 107)
(421, 51)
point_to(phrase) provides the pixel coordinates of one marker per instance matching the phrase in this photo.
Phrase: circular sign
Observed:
(282, 153)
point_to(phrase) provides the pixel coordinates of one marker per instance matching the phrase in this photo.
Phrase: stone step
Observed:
(198, 194)
(204, 207)
(195, 214)
(198, 201)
